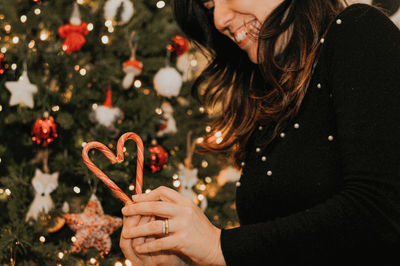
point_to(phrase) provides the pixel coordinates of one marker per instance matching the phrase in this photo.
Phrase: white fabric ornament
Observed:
(43, 185)
(22, 90)
(131, 68)
(111, 8)
(168, 82)
(188, 178)
(169, 125)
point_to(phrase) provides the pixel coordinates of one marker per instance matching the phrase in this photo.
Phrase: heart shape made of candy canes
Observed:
(113, 159)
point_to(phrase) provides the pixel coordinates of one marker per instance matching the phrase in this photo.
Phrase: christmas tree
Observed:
(91, 70)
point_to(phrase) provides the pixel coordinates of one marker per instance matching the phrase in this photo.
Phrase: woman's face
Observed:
(237, 18)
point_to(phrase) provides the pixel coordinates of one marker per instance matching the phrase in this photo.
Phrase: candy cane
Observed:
(120, 157)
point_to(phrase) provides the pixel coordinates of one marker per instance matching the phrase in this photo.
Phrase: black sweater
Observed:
(327, 190)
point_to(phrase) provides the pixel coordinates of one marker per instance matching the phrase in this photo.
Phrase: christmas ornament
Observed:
(105, 116)
(3, 64)
(188, 175)
(120, 158)
(93, 228)
(43, 185)
(132, 68)
(179, 45)
(168, 82)
(44, 130)
(22, 90)
(228, 174)
(58, 223)
(74, 32)
(159, 158)
(111, 7)
(169, 125)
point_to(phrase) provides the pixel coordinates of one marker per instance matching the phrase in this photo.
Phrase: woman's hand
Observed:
(190, 232)
(157, 258)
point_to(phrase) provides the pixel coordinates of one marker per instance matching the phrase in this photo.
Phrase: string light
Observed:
(219, 140)
(44, 35)
(81, 2)
(1, 16)
(128, 263)
(160, 4)
(1, 108)
(90, 26)
(158, 111)
(137, 83)
(202, 187)
(94, 106)
(31, 44)
(148, 190)
(60, 255)
(23, 18)
(200, 197)
(175, 176)
(118, 263)
(0, 160)
(42, 239)
(37, 11)
(104, 39)
(108, 23)
(92, 260)
(8, 192)
(82, 72)
(77, 190)
(55, 108)
(204, 164)
(208, 129)
(111, 29)
(208, 180)
(176, 183)
(73, 239)
(76, 67)
(15, 39)
(14, 66)
(201, 109)
(199, 140)
(7, 28)
(131, 187)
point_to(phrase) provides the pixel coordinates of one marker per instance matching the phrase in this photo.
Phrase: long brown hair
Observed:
(243, 93)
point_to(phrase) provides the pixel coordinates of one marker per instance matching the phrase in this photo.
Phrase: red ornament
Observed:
(180, 45)
(44, 131)
(73, 35)
(159, 158)
(3, 64)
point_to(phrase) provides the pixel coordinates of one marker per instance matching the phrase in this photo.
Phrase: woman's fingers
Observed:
(157, 208)
(156, 227)
(159, 194)
(160, 244)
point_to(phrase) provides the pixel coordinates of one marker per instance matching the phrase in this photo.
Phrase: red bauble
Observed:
(73, 35)
(180, 45)
(3, 64)
(159, 158)
(44, 131)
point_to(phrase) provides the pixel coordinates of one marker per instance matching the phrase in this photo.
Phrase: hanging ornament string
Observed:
(120, 158)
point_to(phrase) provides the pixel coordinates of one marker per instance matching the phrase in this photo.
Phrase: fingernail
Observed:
(123, 210)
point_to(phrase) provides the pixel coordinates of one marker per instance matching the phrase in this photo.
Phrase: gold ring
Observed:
(166, 223)
(163, 227)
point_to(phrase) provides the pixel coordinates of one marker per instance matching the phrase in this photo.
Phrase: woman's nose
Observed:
(222, 15)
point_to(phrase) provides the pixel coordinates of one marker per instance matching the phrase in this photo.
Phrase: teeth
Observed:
(240, 36)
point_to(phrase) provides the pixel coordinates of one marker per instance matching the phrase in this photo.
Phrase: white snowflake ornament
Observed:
(22, 91)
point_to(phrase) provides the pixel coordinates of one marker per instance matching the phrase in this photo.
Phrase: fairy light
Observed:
(104, 39)
(0, 160)
(208, 179)
(73, 239)
(60, 255)
(92, 260)
(90, 27)
(204, 164)
(77, 190)
(82, 72)
(208, 129)
(176, 183)
(80, 2)
(200, 197)
(175, 176)
(128, 263)
(8, 192)
(219, 140)
(202, 187)
(14, 66)
(199, 140)
(44, 35)
(7, 28)
(1, 108)
(118, 263)
(111, 29)
(37, 11)
(42, 239)
(201, 109)
(108, 23)
(3, 49)
(31, 44)
(15, 39)
(55, 108)
(158, 111)
(160, 4)
(137, 83)
(23, 18)
(1, 16)
(131, 187)
(94, 106)
(218, 134)
(76, 67)
(148, 190)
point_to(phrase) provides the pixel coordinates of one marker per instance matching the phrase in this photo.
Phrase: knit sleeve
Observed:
(363, 218)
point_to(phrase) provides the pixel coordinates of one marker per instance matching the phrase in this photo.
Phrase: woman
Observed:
(310, 105)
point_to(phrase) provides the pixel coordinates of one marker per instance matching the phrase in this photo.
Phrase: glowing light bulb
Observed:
(219, 140)
(7, 28)
(218, 134)
(3, 50)
(200, 197)
(148, 190)
(31, 44)
(1, 108)
(77, 190)
(204, 164)
(176, 183)
(90, 27)
(110, 29)
(42, 239)
(60, 255)
(202, 187)
(104, 39)
(118, 263)
(94, 106)
(108, 23)
(208, 180)
(82, 72)
(208, 129)
(23, 18)
(73, 239)
(158, 111)
(200, 140)
(37, 11)
(137, 83)
(160, 4)
(128, 263)
(15, 39)
(55, 108)
(8, 192)
(92, 260)
(175, 176)
(44, 35)
(14, 66)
